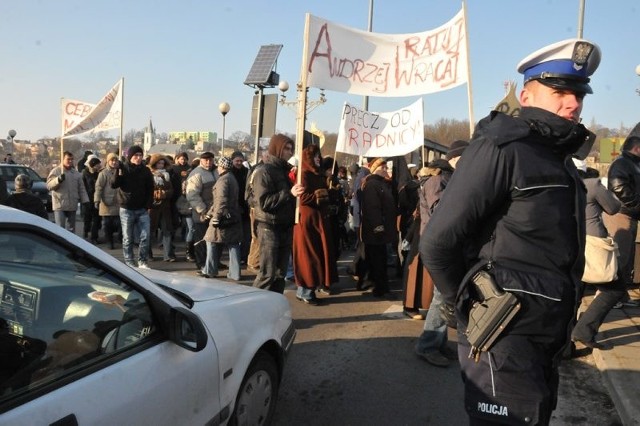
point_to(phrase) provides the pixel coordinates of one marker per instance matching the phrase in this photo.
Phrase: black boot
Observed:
(190, 256)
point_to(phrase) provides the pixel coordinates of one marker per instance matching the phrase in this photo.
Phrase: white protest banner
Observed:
(387, 134)
(82, 117)
(372, 64)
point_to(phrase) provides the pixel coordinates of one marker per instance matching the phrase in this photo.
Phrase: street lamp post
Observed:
(12, 135)
(224, 108)
(310, 105)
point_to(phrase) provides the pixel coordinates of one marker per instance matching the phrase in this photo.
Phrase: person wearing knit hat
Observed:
(376, 163)
(274, 212)
(237, 154)
(89, 211)
(106, 201)
(23, 199)
(225, 227)
(133, 150)
(135, 191)
(89, 158)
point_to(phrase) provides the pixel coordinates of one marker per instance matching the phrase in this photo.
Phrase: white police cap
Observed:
(566, 64)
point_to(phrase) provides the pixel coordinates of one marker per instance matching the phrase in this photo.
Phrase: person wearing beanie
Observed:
(274, 211)
(106, 201)
(67, 189)
(90, 212)
(378, 227)
(513, 214)
(135, 185)
(432, 345)
(199, 194)
(225, 227)
(23, 199)
(82, 163)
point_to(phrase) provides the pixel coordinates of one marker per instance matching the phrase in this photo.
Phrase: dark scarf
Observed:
(565, 136)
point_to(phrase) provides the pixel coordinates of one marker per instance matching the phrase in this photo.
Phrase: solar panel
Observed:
(260, 72)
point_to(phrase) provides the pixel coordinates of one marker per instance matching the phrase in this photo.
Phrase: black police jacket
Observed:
(516, 203)
(624, 181)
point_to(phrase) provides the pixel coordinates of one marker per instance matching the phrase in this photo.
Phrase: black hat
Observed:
(456, 149)
(206, 155)
(93, 162)
(566, 64)
(236, 154)
(135, 149)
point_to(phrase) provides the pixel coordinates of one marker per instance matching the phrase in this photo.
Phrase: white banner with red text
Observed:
(389, 65)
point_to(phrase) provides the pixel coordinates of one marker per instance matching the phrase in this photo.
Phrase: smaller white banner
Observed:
(82, 117)
(386, 134)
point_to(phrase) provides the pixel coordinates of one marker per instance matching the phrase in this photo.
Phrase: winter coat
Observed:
(624, 181)
(135, 187)
(161, 214)
(431, 190)
(27, 202)
(199, 192)
(516, 199)
(105, 194)
(314, 252)
(273, 202)
(66, 195)
(241, 177)
(599, 199)
(378, 208)
(225, 225)
(89, 177)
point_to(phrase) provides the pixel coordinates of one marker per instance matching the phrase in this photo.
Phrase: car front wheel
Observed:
(256, 400)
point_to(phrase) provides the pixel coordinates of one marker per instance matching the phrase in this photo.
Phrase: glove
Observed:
(61, 178)
(97, 204)
(448, 315)
(378, 229)
(322, 196)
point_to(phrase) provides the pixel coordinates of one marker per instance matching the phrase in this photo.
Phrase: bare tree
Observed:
(447, 130)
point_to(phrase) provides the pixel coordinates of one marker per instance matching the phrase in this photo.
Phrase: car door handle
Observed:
(69, 420)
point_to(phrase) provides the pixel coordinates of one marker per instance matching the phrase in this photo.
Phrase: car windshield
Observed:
(9, 173)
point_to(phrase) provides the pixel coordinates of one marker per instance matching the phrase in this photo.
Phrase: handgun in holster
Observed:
(490, 315)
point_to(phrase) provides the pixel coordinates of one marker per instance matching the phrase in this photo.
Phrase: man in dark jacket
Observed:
(378, 227)
(135, 184)
(624, 181)
(516, 204)
(274, 211)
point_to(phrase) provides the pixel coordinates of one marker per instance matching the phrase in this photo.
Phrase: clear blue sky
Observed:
(180, 59)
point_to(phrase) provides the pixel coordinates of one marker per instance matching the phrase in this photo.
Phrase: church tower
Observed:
(149, 137)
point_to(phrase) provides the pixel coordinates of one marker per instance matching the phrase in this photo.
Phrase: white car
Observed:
(85, 339)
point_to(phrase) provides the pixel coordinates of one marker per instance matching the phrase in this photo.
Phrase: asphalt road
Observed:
(353, 363)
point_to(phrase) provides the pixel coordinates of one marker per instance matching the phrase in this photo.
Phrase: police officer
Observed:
(515, 208)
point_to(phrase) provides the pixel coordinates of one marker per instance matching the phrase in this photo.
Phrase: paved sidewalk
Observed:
(620, 366)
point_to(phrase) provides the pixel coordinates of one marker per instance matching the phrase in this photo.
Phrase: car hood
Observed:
(198, 289)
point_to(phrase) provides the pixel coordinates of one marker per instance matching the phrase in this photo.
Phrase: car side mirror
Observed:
(187, 330)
